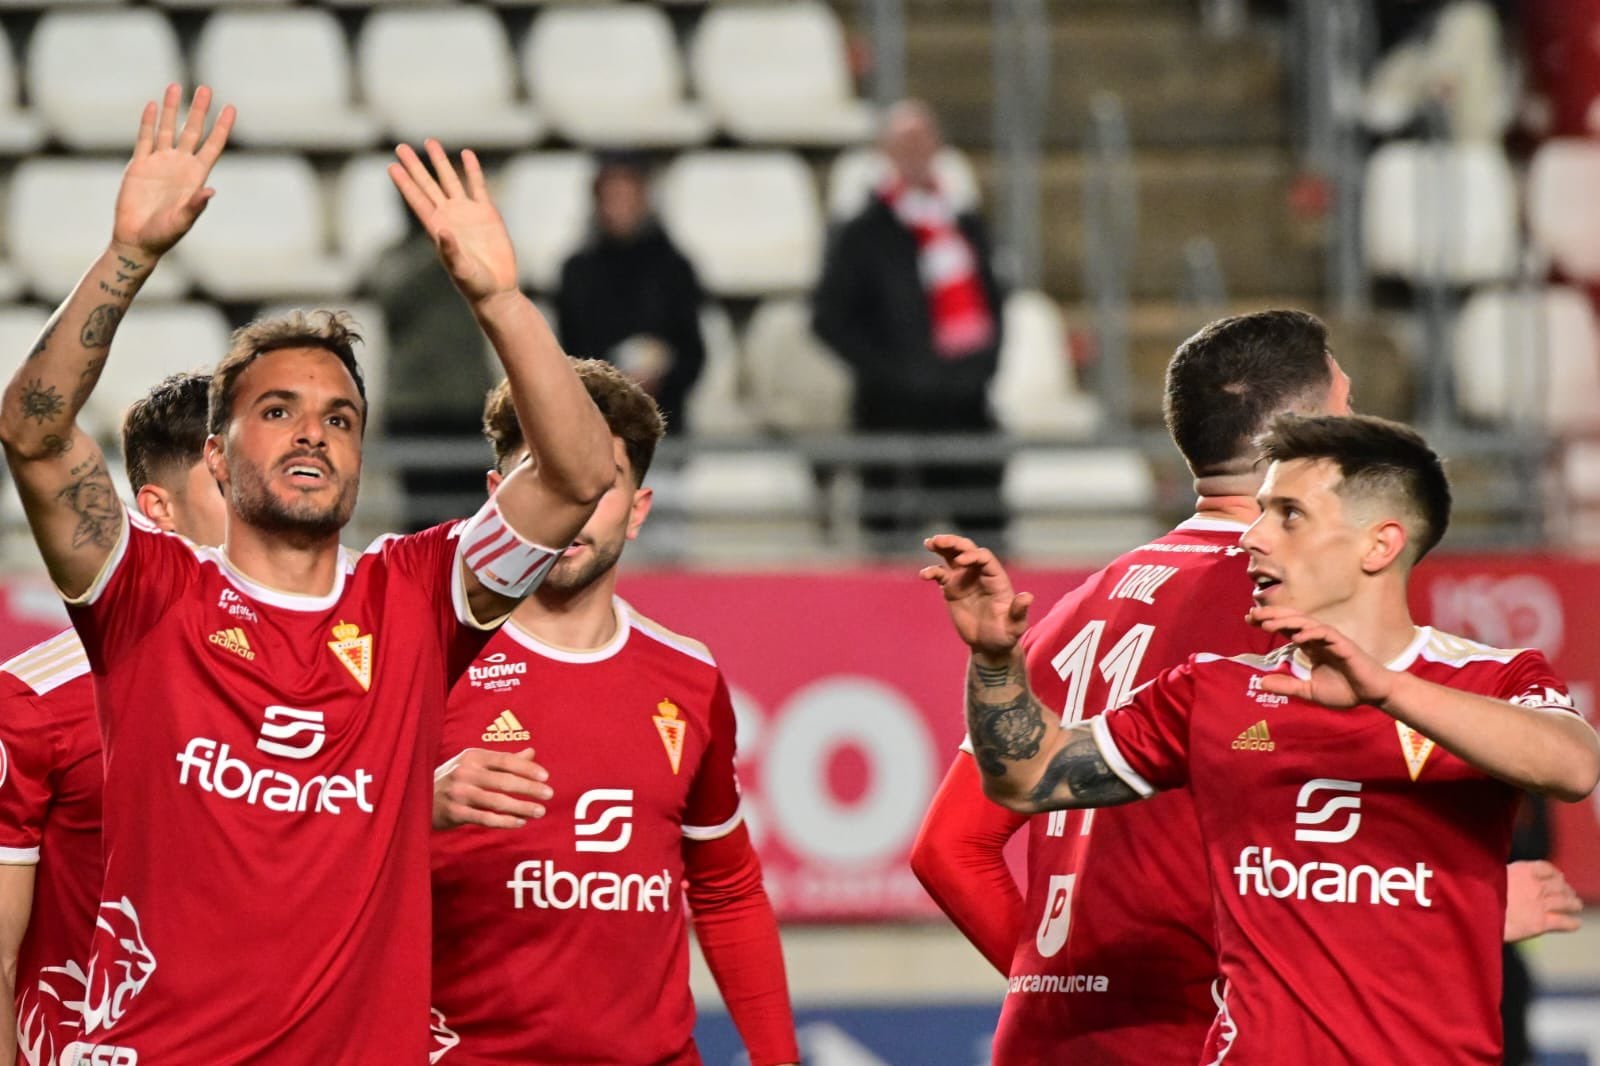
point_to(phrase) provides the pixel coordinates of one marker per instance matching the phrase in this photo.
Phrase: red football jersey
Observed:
(1357, 869)
(267, 801)
(50, 784)
(565, 941)
(1117, 954)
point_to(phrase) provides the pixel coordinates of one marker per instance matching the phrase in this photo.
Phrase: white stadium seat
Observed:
(749, 507)
(716, 407)
(262, 236)
(370, 213)
(20, 130)
(1035, 390)
(1563, 210)
(10, 283)
(153, 341)
(1440, 209)
(1082, 504)
(748, 221)
(546, 199)
(797, 384)
(58, 220)
(288, 72)
(444, 72)
(610, 75)
(1529, 357)
(91, 72)
(777, 73)
(856, 172)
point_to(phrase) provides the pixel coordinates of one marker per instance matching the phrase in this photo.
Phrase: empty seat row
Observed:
(603, 75)
(1452, 211)
(751, 221)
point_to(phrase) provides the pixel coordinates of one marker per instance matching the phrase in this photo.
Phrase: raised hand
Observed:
(1342, 673)
(164, 188)
(462, 220)
(988, 614)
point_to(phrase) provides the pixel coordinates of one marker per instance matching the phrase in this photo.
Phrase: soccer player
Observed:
(1100, 973)
(1355, 788)
(50, 789)
(268, 774)
(566, 941)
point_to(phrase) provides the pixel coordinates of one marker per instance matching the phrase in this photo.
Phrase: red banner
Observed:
(848, 686)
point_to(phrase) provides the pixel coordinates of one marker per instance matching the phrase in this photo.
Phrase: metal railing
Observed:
(1110, 236)
(1021, 53)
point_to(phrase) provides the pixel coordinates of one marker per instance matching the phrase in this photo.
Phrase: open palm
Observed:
(164, 187)
(462, 219)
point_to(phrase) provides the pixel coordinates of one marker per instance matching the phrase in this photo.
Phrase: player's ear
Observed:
(155, 503)
(492, 479)
(642, 499)
(215, 461)
(1386, 546)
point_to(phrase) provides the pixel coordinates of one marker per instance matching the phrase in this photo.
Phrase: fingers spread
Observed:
(168, 128)
(147, 132)
(410, 192)
(441, 166)
(418, 172)
(212, 148)
(195, 125)
(477, 187)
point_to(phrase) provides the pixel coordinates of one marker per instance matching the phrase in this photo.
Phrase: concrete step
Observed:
(1239, 199)
(1178, 85)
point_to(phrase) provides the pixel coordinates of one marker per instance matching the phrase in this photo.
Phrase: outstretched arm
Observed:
(1029, 762)
(546, 501)
(1552, 752)
(59, 470)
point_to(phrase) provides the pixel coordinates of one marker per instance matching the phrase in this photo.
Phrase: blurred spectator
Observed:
(907, 297)
(438, 372)
(1444, 55)
(628, 296)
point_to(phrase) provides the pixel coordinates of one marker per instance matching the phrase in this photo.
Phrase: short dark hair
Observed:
(164, 432)
(332, 331)
(629, 411)
(1375, 457)
(1226, 383)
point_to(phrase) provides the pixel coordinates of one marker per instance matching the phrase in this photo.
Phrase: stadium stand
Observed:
(611, 76)
(797, 385)
(88, 103)
(1417, 196)
(545, 199)
(1563, 216)
(1035, 391)
(20, 131)
(429, 69)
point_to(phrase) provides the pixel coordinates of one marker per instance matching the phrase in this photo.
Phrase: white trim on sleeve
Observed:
(19, 856)
(715, 832)
(1115, 759)
(966, 744)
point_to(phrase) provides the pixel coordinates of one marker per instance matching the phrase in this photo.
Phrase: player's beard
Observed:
(302, 518)
(571, 576)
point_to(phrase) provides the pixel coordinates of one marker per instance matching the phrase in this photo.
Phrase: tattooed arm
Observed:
(60, 471)
(1029, 762)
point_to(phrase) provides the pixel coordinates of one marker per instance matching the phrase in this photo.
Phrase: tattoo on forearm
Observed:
(993, 676)
(1081, 767)
(55, 445)
(93, 499)
(1004, 719)
(87, 381)
(111, 290)
(40, 402)
(44, 339)
(100, 327)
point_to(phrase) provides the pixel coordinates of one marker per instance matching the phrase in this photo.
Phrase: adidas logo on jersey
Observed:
(505, 729)
(235, 641)
(1256, 738)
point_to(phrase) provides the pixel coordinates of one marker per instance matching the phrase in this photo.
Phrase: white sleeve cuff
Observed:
(500, 558)
(1115, 759)
(19, 856)
(715, 832)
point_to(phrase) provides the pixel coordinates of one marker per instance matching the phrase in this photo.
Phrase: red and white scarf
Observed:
(963, 321)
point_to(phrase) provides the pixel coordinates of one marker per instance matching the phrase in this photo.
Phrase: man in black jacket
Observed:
(628, 296)
(907, 298)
